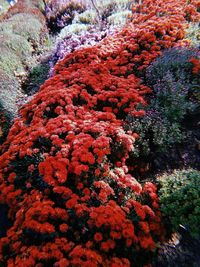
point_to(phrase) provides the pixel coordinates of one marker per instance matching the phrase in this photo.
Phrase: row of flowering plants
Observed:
(63, 175)
(88, 24)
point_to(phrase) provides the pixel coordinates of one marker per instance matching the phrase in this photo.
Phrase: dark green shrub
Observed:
(175, 95)
(174, 66)
(175, 61)
(180, 199)
(5, 123)
(36, 78)
(156, 134)
(171, 99)
(161, 127)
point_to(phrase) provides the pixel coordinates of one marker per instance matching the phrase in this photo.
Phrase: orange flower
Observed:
(98, 237)
(63, 227)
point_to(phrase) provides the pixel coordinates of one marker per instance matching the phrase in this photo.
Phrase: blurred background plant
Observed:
(193, 34)
(180, 200)
(60, 13)
(86, 26)
(4, 5)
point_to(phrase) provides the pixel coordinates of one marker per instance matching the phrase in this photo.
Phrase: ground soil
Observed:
(181, 251)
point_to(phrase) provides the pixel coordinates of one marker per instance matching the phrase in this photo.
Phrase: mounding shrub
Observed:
(27, 26)
(10, 63)
(9, 91)
(20, 34)
(156, 134)
(5, 123)
(86, 17)
(18, 44)
(196, 85)
(27, 20)
(174, 97)
(119, 18)
(175, 61)
(63, 171)
(28, 7)
(179, 195)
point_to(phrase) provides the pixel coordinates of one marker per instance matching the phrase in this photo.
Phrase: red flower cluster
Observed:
(196, 65)
(63, 172)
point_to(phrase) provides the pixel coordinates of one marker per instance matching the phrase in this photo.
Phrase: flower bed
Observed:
(63, 171)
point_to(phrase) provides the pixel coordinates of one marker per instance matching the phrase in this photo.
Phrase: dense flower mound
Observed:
(63, 175)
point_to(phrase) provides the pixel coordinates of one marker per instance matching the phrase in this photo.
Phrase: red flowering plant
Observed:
(63, 174)
(196, 65)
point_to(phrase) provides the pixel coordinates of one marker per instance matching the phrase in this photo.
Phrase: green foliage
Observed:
(160, 128)
(5, 123)
(9, 90)
(156, 134)
(171, 99)
(18, 44)
(25, 25)
(175, 95)
(37, 77)
(196, 93)
(8, 94)
(10, 62)
(180, 199)
(175, 61)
